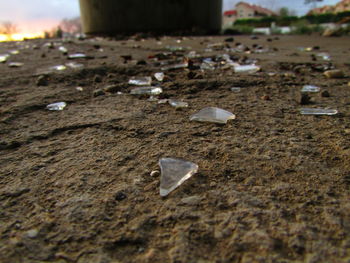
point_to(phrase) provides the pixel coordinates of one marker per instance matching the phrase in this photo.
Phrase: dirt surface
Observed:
(272, 186)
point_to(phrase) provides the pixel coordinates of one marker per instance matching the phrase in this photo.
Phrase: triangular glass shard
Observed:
(310, 88)
(159, 76)
(140, 81)
(315, 111)
(174, 172)
(146, 91)
(58, 106)
(212, 114)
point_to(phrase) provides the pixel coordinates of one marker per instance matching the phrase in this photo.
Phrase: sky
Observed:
(39, 15)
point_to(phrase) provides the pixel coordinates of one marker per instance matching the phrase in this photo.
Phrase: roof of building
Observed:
(257, 8)
(230, 13)
(342, 6)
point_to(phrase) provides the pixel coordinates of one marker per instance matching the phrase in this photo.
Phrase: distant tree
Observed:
(285, 11)
(71, 26)
(8, 27)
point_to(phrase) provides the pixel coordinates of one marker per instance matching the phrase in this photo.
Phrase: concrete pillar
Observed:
(127, 16)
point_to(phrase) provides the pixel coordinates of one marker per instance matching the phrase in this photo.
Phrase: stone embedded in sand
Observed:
(212, 114)
(146, 91)
(58, 106)
(317, 111)
(333, 74)
(140, 81)
(174, 172)
(235, 89)
(178, 103)
(310, 88)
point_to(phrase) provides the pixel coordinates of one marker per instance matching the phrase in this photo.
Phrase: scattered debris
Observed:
(140, 81)
(213, 114)
(173, 173)
(3, 58)
(146, 91)
(58, 106)
(310, 88)
(317, 111)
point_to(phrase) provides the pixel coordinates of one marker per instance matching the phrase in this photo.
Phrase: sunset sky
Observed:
(38, 15)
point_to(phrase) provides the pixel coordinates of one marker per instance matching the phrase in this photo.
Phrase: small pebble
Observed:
(332, 74)
(33, 233)
(98, 92)
(305, 99)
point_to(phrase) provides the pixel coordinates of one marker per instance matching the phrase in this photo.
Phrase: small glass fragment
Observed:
(317, 111)
(175, 66)
(79, 88)
(324, 56)
(159, 76)
(208, 64)
(310, 88)
(15, 64)
(178, 103)
(173, 173)
(236, 89)
(74, 65)
(213, 114)
(163, 101)
(3, 58)
(63, 50)
(146, 91)
(58, 106)
(140, 81)
(14, 52)
(249, 69)
(152, 99)
(77, 55)
(59, 68)
(175, 48)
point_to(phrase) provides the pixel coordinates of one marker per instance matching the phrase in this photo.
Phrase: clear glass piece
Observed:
(310, 88)
(212, 114)
(140, 81)
(178, 103)
(56, 106)
(249, 69)
(146, 91)
(159, 76)
(174, 172)
(317, 111)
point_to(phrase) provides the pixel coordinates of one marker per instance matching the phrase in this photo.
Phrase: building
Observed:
(342, 6)
(245, 10)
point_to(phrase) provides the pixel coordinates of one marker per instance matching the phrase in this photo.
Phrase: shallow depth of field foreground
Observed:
(82, 184)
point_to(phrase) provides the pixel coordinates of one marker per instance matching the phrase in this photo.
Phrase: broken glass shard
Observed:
(63, 50)
(250, 69)
(324, 56)
(317, 111)
(212, 114)
(208, 64)
(146, 91)
(174, 172)
(77, 55)
(74, 65)
(236, 89)
(3, 58)
(163, 101)
(310, 88)
(175, 66)
(14, 52)
(159, 76)
(58, 67)
(15, 64)
(140, 81)
(178, 103)
(175, 48)
(56, 106)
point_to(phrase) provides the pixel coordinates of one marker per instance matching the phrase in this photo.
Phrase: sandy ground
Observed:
(272, 186)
